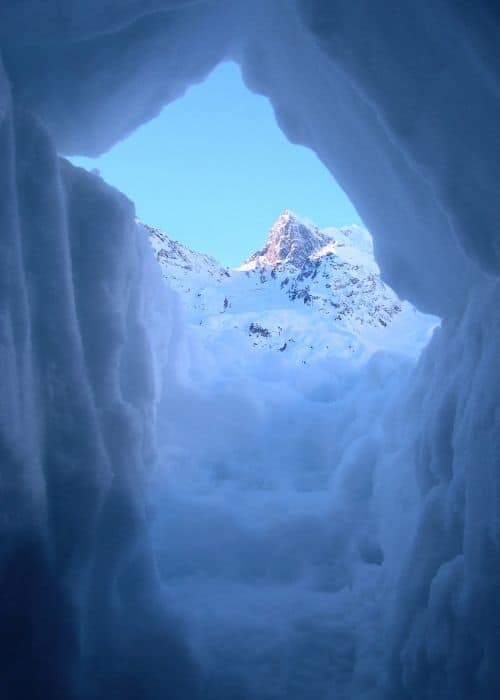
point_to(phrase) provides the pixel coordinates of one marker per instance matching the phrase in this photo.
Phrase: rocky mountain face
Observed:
(291, 241)
(307, 293)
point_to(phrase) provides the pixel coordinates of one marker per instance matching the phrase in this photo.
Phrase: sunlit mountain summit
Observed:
(291, 240)
(307, 293)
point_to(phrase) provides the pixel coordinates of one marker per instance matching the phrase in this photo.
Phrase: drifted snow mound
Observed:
(311, 529)
(308, 294)
(395, 565)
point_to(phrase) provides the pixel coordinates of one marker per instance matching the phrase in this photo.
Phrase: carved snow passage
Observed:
(351, 551)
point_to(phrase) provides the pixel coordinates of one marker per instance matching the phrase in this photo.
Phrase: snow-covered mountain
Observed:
(307, 293)
(291, 241)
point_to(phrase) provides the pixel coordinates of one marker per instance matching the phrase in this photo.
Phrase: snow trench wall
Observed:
(402, 104)
(79, 589)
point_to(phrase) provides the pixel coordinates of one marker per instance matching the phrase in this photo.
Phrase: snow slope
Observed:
(308, 293)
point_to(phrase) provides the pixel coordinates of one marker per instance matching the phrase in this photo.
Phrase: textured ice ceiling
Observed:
(397, 100)
(402, 102)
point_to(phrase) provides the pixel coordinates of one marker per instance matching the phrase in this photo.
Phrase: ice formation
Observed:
(368, 567)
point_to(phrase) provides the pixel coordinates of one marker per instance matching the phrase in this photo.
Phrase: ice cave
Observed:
(359, 558)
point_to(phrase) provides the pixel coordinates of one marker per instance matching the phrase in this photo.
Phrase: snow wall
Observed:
(401, 102)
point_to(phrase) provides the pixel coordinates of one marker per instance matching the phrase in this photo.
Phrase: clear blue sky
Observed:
(214, 171)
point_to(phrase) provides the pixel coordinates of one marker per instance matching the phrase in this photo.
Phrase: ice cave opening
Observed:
(213, 170)
(350, 552)
(277, 370)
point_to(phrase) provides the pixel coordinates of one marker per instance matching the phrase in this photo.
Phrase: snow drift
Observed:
(401, 103)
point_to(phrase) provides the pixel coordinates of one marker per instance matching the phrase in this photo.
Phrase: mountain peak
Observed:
(288, 218)
(289, 214)
(291, 241)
